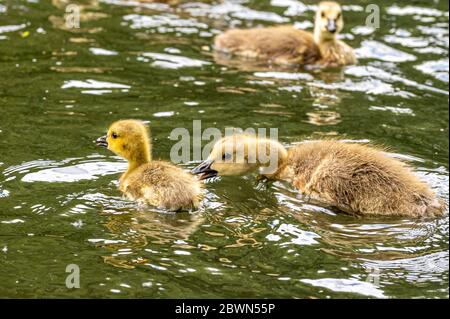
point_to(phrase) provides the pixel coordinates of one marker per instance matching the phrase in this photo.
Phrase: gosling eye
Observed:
(323, 14)
(226, 157)
(114, 135)
(338, 16)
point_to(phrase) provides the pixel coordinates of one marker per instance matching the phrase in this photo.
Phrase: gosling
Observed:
(155, 183)
(286, 45)
(356, 179)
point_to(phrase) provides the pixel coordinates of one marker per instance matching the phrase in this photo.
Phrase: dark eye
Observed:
(323, 14)
(114, 135)
(338, 16)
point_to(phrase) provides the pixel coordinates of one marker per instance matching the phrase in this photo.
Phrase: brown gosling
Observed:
(355, 178)
(286, 45)
(156, 183)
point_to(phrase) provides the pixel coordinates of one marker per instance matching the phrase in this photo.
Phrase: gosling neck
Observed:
(271, 166)
(140, 156)
(325, 41)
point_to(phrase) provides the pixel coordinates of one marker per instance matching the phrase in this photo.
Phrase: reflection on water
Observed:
(323, 118)
(439, 69)
(380, 51)
(347, 285)
(135, 231)
(168, 61)
(154, 61)
(416, 270)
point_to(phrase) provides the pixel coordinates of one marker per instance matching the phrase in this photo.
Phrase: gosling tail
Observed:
(436, 208)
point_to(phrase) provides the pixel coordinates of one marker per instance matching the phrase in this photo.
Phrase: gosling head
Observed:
(241, 154)
(329, 21)
(128, 139)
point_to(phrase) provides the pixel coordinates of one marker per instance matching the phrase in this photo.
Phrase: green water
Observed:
(59, 202)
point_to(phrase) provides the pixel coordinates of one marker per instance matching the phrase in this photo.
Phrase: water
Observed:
(59, 203)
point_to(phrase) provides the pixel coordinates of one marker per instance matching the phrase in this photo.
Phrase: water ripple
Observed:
(371, 49)
(438, 69)
(347, 285)
(164, 23)
(65, 171)
(232, 10)
(168, 61)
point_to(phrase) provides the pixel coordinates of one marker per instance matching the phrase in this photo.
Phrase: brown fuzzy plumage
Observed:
(287, 45)
(359, 179)
(156, 183)
(162, 185)
(356, 178)
(279, 45)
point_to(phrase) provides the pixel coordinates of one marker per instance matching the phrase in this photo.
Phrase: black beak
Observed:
(331, 26)
(101, 141)
(204, 170)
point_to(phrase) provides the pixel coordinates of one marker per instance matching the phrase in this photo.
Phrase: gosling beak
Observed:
(101, 141)
(204, 170)
(331, 26)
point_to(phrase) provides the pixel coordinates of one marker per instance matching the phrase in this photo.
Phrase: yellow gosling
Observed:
(156, 183)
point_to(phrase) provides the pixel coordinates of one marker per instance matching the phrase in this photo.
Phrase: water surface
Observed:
(59, 203)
